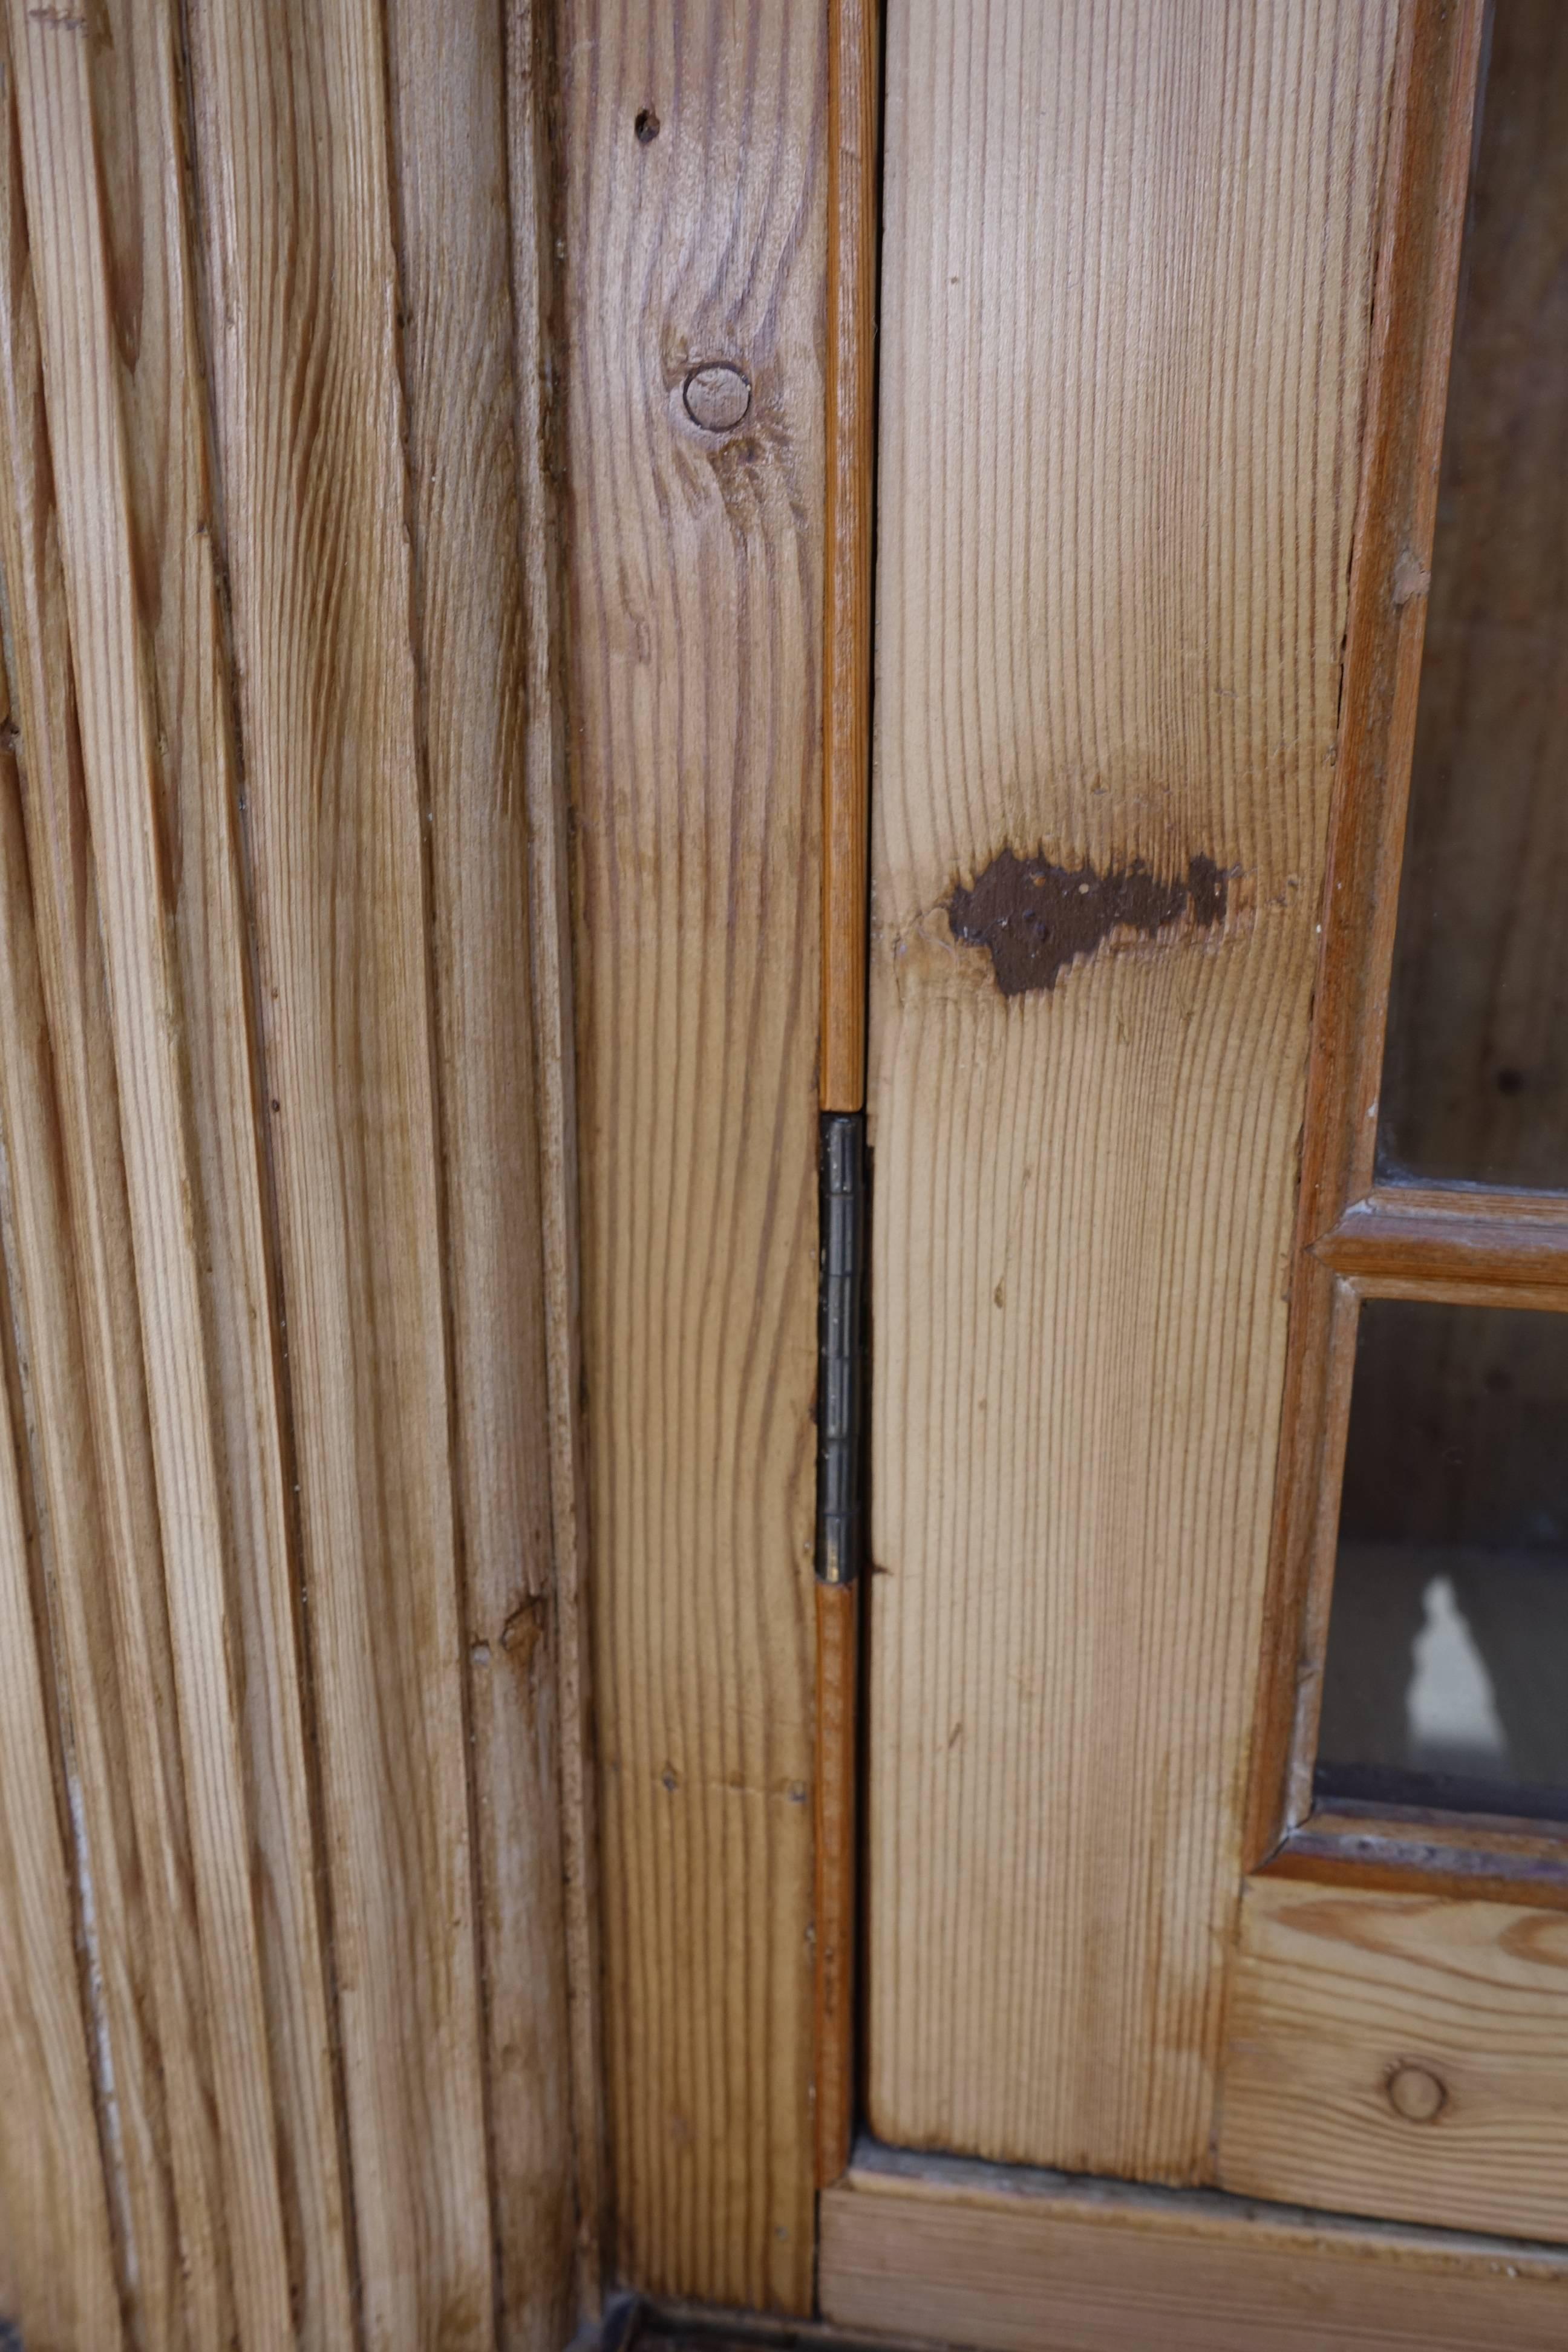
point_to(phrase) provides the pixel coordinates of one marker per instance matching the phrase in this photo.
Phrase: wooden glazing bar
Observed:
(1497, 1246)
(1394, 1846)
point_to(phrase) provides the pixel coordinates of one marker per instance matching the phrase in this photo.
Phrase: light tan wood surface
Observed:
(972, 2254)
(1128, 267)
(1400, 2054)
(695, 579)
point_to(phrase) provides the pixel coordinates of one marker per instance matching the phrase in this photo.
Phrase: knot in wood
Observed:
(717, 396)
(1416, 2094)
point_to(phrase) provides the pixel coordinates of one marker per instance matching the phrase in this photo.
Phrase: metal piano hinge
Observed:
(841, 1348)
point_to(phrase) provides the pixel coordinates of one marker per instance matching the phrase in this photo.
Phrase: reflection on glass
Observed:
(1446, 1678)
(1475, 1083)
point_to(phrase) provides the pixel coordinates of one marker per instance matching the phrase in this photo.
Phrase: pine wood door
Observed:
(1167, 310)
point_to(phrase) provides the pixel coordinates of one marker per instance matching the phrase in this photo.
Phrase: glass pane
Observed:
(1446, 1681)
(1476, 1079)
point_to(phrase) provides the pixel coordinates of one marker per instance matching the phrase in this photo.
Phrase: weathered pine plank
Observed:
(1020, 2261)
(126, 738)
(57, 2273)
(1400, 2054)
(81, 1370)
(449, 150)
(139, 155)
(694, 235)
(293, 159)
(1128, 267)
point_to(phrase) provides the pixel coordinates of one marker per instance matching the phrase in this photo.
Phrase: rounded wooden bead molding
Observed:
(717, 396)
(1416, 2094)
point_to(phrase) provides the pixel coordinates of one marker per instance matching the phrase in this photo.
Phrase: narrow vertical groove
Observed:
(537, 221)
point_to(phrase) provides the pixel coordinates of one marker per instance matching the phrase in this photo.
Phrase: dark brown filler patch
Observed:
(1036, 919)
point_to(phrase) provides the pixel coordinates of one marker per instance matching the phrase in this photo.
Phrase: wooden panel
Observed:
(291, 141)
(1029, 2264)
(1402, 2055)
(448, 93)
(695, 566)
(1128, 266)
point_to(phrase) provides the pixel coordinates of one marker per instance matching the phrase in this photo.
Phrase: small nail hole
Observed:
(646, 126)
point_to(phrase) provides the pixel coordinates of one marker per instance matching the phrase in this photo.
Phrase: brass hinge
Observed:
(841, 1348)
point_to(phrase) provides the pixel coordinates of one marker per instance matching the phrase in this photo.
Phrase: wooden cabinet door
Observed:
(1167, 308)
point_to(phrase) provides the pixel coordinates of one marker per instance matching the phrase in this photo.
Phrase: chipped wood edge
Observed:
(530, 99)
(1428, 177)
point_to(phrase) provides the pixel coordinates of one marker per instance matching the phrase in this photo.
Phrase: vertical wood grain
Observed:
(448, 84)
(293, 150)
(693, 238)
(58, 2275)
(1128, 266)
(155, 772)
(836, 1880)
(81, 1368)
(140, 158)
